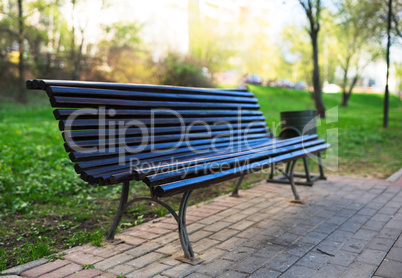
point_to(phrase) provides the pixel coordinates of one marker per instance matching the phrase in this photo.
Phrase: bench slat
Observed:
(202, 181)
(44, 83)
(138, 95)
(77, 102)
(61, 114)
(88, 134)
(133, 140)
(125, 123)
(89, 155)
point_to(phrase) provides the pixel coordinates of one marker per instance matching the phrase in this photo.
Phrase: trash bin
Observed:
(296, 123)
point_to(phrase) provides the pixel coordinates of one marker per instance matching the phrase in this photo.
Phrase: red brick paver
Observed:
(87, 273)
(81, 258)
(66, 270)
(40, 270)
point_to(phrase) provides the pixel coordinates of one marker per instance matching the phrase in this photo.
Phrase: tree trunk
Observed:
(345, 75)
(386, 96)
(319, 104)
(48, 64)
(77, 63)
(346, 95)
(345, 81)
(73, 72)
(22, 97)
(345, 99)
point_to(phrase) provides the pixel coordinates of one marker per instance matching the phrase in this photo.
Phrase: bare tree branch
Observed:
(307, 10)
(395, 19)
(318, 15)
(303, 5)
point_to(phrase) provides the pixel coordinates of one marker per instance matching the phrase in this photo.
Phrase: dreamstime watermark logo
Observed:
(158, 141)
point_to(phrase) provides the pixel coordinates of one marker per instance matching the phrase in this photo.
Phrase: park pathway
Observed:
(349, 227)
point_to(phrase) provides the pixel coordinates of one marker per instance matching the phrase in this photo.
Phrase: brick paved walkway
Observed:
(349, 227)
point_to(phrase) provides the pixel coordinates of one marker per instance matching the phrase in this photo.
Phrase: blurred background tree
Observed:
(123, 56)
(358, 45)
(179, 71)
(313, 10)
(196, 43)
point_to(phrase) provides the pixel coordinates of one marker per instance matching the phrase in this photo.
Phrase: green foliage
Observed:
(97, 238)
(357, 45)
(375, 13)
(140, 220)
(160, 211)
(81, 237)
(3, 259)
(54, 257)
(78, 238)
(56, 39)
(87, 266)
(47, 39)
(183, 72)
(210, 44)
(123, 35)
(126, 58)
(34, 168)
(296, 51)
(31, 251)
(296, 63)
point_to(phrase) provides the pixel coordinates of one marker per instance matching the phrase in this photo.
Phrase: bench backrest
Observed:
(107, 126)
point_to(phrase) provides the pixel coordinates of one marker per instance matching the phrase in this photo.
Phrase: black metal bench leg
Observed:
(307, 170)
(184, 241)
(120, 211)
(235, 192)
(288, 167)
(180, 219)
(322, 176)
(309, 179)
(289, 176)
(271, 175)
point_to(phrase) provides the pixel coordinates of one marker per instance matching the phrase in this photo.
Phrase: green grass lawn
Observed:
(45, 206)
(364, 148)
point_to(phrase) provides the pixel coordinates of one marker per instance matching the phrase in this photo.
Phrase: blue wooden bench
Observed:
(174, 139)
